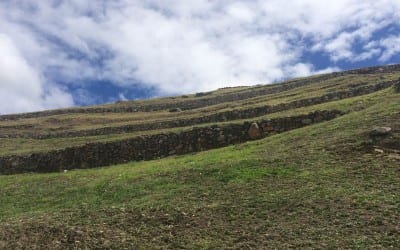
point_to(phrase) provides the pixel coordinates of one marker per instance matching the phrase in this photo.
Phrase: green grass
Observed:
(73, 122)
(315, 187)
(23, 146)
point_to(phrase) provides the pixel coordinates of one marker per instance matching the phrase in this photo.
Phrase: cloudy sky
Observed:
(60, 53)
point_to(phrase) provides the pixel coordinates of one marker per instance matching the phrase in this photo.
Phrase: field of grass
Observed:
(321, 186)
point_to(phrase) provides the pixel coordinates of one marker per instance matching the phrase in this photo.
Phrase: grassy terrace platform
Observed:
(328, 185)
(89, 121)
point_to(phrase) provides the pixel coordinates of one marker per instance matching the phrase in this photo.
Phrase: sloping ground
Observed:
(327, 185)
(30, 140)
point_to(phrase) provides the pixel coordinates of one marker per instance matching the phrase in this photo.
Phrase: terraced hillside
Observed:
(299, 165)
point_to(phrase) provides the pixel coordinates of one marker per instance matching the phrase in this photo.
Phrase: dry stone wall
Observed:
(206, 101)
(153, 146)
(217, 117)
(182, 105)
(375, 69)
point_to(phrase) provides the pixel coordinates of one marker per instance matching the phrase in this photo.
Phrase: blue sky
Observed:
(58, 53)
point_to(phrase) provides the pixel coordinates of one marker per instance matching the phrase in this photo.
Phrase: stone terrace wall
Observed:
(183, 105)
(217, 117)
(202, 102)
(375, 69)
(153, 146)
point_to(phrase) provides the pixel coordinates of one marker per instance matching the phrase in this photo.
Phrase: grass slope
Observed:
(87, 121)
(321, 186)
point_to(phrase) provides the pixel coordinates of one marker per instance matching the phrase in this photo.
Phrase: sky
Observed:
(63, 53)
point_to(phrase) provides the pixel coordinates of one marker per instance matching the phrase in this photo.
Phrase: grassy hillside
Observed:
(328, 185)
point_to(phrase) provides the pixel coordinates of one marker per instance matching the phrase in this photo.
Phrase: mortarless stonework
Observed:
(217, 117)
(153, 146)
(207, 100)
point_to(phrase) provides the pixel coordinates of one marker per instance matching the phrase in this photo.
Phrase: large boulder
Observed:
(254, 131)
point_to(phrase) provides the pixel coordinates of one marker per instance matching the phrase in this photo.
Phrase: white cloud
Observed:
(21, 87)
(178, 46)
(241, 12)
(121, 97)
(391, 47)
(366, 55)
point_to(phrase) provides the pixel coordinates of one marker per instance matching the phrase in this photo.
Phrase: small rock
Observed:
(254, 131)
(377, 150)
(381, 131)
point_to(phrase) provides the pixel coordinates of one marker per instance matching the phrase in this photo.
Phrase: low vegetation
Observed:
(325, 186)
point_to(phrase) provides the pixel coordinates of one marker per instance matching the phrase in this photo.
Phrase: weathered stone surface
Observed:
(221, 138)
(148, 147)
(381, 131)
(254, 131)
(307, 121)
